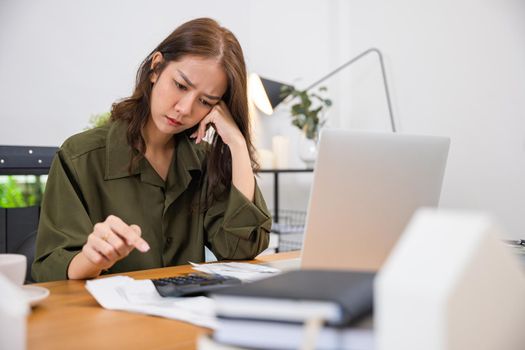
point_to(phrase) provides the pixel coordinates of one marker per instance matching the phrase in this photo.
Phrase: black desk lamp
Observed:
(273, 88)
(266, 94)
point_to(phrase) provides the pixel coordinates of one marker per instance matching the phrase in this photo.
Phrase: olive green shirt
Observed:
(89, 180)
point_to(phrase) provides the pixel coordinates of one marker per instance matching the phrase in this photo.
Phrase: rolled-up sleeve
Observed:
(64, 223)
(237, 228)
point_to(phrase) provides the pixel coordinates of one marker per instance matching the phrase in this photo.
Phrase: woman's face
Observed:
(185, 92)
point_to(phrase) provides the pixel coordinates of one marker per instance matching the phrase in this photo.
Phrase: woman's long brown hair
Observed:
(202, 37)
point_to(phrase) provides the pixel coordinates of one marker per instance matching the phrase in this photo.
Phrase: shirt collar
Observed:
(119, 153)
(187, 156)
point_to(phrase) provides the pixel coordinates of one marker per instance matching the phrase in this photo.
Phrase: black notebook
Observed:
(339, 297)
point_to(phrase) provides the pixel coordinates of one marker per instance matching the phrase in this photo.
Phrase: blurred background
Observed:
(455, 68)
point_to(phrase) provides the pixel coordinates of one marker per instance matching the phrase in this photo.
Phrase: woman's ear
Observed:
(156, 59)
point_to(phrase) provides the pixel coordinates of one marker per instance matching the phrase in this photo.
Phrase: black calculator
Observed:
(192, 284)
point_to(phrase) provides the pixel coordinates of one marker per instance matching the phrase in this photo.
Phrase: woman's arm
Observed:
(68, 245)
(238, 226)
(110, 241)
(235, 227)
(242, 173)
(64, 222)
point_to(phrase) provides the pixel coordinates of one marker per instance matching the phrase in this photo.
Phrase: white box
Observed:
(450, 283)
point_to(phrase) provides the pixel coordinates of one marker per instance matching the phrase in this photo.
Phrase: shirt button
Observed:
(168, 242)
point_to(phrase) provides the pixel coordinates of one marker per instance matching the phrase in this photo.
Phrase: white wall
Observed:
(62, 61)
(455, 68)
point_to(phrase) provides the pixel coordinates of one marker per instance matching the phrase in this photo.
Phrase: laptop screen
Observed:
(366, 187)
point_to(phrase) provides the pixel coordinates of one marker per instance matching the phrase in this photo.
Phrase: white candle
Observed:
(280, 147)
(265, 158)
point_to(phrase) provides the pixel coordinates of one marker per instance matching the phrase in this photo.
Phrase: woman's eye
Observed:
(206, 103)
(180, 86)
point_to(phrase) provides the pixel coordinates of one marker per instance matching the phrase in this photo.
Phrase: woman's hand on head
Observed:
(222, 121)
(111, 241)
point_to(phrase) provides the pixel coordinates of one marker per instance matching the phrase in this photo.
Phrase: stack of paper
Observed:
(243, 271)
(126, 294)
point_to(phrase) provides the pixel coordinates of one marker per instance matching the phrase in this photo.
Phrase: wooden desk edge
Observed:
(176, 270)
(70, 318)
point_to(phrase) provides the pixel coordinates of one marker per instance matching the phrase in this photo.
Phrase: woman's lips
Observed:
(173, 122)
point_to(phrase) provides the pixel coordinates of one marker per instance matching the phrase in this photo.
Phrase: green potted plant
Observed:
(20, 191)
(97, 120)
(308, 111)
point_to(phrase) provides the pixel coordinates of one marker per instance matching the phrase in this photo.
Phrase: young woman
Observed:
(145, 190)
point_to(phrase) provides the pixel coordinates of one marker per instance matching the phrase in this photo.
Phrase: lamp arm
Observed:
(383, 73)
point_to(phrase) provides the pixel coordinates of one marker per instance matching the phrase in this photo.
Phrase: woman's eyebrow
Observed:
(188, 81)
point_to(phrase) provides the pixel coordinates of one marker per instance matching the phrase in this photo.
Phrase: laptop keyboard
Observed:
(192, 284)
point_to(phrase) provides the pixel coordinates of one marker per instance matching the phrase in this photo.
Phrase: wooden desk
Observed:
(70, 318)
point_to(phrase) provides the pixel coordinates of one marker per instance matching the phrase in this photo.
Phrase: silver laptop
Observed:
(365, 189)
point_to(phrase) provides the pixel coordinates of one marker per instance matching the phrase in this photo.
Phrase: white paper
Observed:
(126, 294)
(243, 271)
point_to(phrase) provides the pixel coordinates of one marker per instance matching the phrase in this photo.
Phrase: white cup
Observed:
(13, 266)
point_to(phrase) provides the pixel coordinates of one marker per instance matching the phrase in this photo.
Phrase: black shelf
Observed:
(276, 173)
(26, 160)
